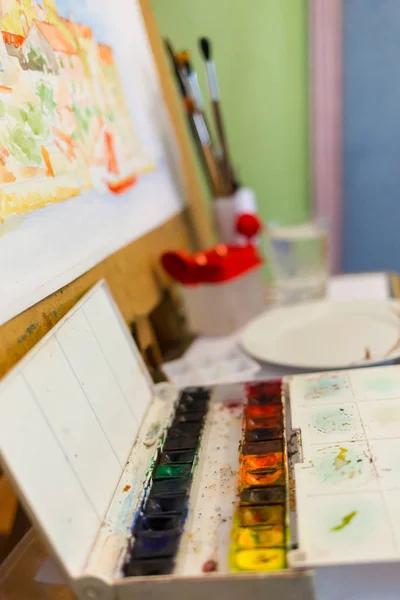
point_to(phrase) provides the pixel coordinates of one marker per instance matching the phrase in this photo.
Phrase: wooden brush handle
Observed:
(214, 171)
(203, 140)
(224, 144)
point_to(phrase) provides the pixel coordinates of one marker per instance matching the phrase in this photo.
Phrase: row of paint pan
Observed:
(159, 524)
(259, 530)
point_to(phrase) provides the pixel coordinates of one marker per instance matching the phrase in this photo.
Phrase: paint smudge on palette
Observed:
(335, 423)
(326, 386)
(346, 527)
(340, 467)
(346, 520)
(321, 389)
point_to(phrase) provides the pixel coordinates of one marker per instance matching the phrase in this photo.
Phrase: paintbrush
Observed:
(199, 131)
(205, 46)
(203, 137)
(175, 66)
(193, 84)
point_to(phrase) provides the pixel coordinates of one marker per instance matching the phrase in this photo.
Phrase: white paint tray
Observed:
(348, 483)
(80, 424)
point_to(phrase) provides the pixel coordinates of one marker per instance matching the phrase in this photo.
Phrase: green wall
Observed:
(260, 50)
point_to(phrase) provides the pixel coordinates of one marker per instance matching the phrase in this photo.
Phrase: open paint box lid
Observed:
(69, 414)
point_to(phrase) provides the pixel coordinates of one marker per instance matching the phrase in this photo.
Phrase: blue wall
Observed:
(371, 135)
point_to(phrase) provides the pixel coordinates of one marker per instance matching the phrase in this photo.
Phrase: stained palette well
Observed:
(263, 495)
(260, 515)
(267, 536)
(258, 559)
(263, 462)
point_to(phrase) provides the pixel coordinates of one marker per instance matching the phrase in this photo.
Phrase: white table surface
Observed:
(213, 350)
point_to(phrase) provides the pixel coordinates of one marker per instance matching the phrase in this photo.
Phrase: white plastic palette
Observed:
(80, 425)
(348, 483)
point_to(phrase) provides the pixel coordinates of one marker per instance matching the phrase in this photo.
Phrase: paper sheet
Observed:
(211, 361)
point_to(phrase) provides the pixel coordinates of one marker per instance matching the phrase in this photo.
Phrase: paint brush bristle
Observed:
(182, 57)
(205, 46)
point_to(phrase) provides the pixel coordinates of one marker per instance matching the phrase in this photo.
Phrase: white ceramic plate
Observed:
(327, 334)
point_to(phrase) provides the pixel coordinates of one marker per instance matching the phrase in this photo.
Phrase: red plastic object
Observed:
(221, 263)
(249, 225)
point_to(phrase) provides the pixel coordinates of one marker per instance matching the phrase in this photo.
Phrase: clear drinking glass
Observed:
(298, 260)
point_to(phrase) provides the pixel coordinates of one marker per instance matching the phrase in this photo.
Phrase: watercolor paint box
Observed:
(134, 486)
(144, 491)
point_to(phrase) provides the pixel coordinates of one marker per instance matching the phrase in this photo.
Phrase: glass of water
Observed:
(299, 261)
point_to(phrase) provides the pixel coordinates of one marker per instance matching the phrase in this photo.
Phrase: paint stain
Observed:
(332, 420)
(346, 520)
(340, 460)
(127, 488)
(29, 330)
(210, 566)
(325, 386)
(232, 404)
(152, 434)
(335, 466)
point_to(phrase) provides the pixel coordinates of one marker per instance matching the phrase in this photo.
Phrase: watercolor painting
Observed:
(65, 126)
